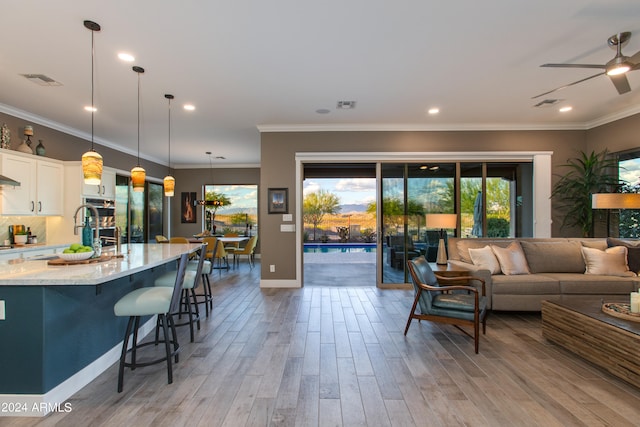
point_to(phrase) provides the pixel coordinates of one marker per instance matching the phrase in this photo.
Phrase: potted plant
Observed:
(20, 238)
(587, 174)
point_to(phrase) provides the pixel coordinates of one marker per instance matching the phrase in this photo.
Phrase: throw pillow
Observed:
(610, 262)
(485, 259)
(511, 259)
(560, 256)
(633, 251)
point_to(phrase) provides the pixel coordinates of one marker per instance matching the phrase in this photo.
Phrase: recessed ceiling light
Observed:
(127, 57)
(90, 109)
(323, 111)
(189, 107)
(566, 109)
(434, 110)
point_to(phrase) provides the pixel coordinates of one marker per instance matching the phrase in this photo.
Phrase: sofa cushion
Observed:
(532, 284)
(633, 251)
(593, 284)
(554, 257)
(611, 262)
(512, 260)
(485, 258)
(464, 245)
(592, 243)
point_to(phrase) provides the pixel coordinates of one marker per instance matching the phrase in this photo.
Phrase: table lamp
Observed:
(441, 221)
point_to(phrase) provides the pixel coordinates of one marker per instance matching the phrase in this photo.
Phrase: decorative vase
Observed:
(24, 148)
(40, 150)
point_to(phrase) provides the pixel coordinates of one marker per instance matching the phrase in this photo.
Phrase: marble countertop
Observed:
(136, 257)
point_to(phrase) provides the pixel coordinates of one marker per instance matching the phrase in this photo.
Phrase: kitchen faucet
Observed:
(97, 245)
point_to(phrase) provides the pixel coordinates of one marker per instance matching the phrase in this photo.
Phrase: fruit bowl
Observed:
(78, 256)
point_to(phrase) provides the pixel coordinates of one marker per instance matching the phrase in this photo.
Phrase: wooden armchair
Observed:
(457, 305)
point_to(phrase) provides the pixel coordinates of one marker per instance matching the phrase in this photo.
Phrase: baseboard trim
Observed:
(280, 284)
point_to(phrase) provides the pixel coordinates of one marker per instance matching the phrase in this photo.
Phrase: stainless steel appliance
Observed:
(107, 219)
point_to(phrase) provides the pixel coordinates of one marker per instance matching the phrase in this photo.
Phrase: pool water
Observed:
(339, 247)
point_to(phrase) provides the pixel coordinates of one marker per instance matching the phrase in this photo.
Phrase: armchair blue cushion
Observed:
(459, 305)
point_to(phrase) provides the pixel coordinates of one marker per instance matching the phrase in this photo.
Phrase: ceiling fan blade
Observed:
(573, 66)
(621, 83)
(566, 86)
(635, 59)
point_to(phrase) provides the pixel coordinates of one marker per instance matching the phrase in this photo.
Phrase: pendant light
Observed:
(169, 181)
(92, 160)
(138, 173)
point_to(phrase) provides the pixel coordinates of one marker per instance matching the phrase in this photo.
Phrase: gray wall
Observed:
(278, 152)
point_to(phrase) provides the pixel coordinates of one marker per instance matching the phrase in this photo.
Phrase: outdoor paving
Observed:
(340, 269)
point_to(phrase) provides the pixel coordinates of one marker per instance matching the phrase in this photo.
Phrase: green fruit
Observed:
(84, 249)
(75, 246)
(68, 251)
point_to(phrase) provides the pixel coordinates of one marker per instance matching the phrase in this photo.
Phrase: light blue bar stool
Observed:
(149, 301)
(189, 305)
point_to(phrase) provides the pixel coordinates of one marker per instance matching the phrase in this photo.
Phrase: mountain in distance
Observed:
(344, 209)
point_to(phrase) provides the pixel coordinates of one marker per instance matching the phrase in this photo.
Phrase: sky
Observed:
(245, 197)
(356, 191)
(631, 171)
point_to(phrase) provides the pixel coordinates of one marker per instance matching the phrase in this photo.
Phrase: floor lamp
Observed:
(441, 221)
(611, 201)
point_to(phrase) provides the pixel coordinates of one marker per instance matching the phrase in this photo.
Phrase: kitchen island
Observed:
(59, 331)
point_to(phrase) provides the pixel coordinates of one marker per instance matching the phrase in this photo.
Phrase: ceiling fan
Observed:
(616, 69)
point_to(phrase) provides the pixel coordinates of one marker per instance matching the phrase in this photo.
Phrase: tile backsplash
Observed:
(38, 226)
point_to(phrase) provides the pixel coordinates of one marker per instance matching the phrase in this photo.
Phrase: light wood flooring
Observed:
(336, 356)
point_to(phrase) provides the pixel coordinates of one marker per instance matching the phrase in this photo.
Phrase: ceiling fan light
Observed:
(618, 69)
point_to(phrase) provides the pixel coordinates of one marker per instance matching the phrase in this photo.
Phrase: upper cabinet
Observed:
(41, 190)
(106, 189)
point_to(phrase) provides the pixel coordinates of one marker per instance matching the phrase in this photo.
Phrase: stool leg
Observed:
(134, 346)
(176, 345)
(195, 306)
(167, 347)
(123, 354)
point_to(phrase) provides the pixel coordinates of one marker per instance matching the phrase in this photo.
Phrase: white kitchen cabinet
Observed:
(106, 189)
(41, 190)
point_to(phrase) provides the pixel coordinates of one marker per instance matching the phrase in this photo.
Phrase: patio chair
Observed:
(457, 305)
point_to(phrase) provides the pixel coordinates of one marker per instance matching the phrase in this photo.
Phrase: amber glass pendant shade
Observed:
(169, 185)
(92, 167)
(138, 175)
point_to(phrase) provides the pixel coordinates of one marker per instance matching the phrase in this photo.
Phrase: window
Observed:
(233, 209)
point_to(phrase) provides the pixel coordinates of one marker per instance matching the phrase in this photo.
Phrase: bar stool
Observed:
(149, 301)
(191, 279)
(206, 297)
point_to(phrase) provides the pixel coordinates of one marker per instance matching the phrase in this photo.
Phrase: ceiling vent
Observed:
(41, 80)
(547, 103)
(346, 105)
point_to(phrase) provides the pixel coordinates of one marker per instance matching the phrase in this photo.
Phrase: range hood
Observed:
(8, 181)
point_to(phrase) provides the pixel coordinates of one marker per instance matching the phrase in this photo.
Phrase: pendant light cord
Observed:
(92, 85)
(138, 119)
(169, 164)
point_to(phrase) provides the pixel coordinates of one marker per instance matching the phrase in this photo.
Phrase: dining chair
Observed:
(231, 247)
(178, 240)
(457, 305)
(161, 239)
(248, 250)
(148, 301)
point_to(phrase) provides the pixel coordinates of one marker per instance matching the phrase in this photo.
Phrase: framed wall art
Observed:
(278, 200)
(187, 210)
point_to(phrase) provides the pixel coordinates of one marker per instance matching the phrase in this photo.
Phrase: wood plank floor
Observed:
(336, 356)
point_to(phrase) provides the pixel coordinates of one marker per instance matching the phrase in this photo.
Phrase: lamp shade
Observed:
(92, 167)
(615, 201)
(169, 185)
(441, 220)
(138, 175)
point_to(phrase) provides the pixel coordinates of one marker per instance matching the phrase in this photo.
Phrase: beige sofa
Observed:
(556, 273)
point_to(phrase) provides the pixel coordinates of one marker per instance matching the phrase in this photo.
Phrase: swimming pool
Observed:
(339, 247)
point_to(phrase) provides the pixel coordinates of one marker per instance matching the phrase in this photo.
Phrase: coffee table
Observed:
(607, 341)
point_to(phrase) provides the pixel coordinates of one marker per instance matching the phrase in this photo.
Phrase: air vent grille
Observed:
(346, 105)
(41, 79)
(547, 103)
